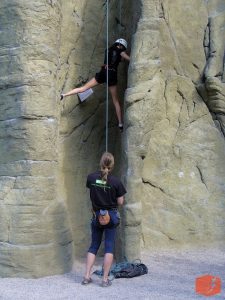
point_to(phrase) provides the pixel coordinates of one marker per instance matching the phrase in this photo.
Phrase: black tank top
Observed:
(114, 57)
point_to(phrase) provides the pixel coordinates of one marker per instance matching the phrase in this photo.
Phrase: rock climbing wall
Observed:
(35, 235)
(82, 126)
(175, 126)
(47, 147)
(171, 155)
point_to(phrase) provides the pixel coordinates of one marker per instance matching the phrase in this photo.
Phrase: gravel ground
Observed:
(171, 276)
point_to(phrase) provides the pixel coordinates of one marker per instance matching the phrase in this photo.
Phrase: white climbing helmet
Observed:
(122, 42)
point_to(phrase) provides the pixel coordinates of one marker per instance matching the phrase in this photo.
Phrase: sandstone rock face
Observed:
(171, 155)
(213, 87)
(175, 153)
(47, 147)
(35, 238)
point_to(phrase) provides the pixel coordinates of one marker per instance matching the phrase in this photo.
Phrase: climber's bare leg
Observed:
(83, 88)
(116, 102)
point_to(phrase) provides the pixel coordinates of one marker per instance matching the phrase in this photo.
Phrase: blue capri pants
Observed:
(109, 230)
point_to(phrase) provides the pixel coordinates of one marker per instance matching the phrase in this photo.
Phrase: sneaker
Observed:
(106, 283)
(61, 97)
(86, 281)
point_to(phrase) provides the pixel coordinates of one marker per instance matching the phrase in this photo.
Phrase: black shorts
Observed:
(101, 77)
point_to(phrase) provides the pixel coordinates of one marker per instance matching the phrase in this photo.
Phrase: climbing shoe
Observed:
(61, 97)
(120, 127)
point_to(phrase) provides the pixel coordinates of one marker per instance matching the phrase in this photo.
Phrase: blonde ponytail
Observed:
(106, 164)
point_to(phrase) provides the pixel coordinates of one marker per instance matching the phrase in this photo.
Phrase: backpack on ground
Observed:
(125, 270)
(130, 270)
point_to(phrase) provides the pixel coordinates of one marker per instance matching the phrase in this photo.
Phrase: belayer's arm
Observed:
(120, 200)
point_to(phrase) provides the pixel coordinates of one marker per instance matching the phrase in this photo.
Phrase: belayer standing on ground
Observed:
(106, 193)
(116, 52)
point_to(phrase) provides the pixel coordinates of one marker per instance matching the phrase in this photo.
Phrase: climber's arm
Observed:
(125, 55)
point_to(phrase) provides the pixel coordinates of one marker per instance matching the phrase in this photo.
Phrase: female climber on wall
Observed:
(106, 193)
(116, 52)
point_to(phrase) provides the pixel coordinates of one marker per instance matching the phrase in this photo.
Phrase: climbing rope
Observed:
(120, 15)
(107, 72)
(107, 77)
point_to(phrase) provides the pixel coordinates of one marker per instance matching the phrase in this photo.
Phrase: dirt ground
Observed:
(172, 275)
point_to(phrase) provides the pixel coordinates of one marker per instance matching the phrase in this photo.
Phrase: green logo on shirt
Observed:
(101, 183)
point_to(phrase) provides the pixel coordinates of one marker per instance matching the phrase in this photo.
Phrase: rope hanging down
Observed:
(107, 77)
(107, 73)
(120, 16)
